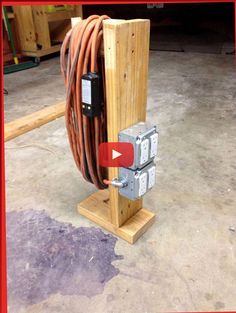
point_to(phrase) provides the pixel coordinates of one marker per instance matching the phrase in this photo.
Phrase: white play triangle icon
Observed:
(115, 154)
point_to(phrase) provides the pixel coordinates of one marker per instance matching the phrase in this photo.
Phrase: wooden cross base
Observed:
(96, 208)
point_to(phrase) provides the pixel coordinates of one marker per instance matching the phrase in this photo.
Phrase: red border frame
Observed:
(3, 275)
(15, 2)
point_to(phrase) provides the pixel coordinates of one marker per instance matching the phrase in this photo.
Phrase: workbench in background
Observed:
(41, 29)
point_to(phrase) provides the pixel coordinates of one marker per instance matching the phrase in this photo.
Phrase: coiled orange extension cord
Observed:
(84, 133)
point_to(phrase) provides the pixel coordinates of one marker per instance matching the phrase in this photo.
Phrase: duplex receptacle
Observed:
(144, 139)
(138, 181)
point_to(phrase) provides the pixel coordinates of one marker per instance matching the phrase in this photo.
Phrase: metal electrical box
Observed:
(144, 139)
(140, 177)
(139, 181)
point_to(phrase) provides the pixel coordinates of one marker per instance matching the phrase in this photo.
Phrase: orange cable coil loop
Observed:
(84, 133)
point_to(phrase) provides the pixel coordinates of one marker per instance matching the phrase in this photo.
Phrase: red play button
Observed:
(116, 154)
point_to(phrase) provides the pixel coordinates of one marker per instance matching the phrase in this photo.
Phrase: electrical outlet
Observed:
(140, 136)
(142, 184)
(144, 147)
(151, 176)
(154, 143)
(137, 181)
(140, 176)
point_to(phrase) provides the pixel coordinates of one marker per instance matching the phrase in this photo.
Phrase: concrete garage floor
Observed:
(187, 260)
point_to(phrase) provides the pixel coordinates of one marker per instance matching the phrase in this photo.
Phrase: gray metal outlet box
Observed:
(139, 181)
(144, 139)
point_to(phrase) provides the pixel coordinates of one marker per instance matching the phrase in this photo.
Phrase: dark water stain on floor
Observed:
(47, 257)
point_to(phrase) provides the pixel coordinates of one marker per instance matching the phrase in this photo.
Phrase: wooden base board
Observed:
(96, 208)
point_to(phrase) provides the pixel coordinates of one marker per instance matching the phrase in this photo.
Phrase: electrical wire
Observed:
(84, 133)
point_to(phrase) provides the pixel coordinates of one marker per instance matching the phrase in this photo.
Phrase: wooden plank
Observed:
(41, 27)
(97, 209)
(34, 120)
(40, 53)
(126, 52)
(25, 27)
(78, 10)
(60, 15)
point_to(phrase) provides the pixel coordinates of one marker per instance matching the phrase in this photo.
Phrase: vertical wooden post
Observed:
(41, 26)
(25, 27)
(126, 53)
(78, 8)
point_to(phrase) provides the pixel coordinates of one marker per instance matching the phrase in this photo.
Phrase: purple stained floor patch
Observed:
(47, 257)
